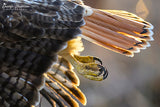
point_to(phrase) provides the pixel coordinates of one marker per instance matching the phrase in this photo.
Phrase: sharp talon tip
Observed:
(102, 69)
(97, 59)
(100, 73)
(105, 75)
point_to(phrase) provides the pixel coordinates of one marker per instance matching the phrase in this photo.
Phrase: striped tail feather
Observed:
(117, 30)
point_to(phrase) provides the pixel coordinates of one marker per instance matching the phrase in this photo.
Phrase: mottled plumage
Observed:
(30, 38)
(40, 43)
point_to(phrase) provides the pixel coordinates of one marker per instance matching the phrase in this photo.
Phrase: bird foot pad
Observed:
(88, 66)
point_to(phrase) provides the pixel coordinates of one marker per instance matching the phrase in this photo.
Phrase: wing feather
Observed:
(29, 42)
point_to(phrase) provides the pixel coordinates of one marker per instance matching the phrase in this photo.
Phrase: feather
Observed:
(18, 91)
(32, 40)
(55, 87)
(119, 31)
(29, 42)
(71, 88)
(68, 72)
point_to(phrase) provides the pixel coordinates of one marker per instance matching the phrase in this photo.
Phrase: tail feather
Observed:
(108, 36)
(88, 36)
(131, 20)
(119, 31)
(130, 16)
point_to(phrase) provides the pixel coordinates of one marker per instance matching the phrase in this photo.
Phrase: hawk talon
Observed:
(105, 75)
(88, 66)
(27, 56)
(102, 69)
(97, 59)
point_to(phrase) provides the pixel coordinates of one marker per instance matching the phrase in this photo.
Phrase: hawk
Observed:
(40, 45)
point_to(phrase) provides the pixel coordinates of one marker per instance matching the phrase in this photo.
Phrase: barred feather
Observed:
(67, 71)
(61, 80)
(31, 39)
(55, 87)
(29, 42)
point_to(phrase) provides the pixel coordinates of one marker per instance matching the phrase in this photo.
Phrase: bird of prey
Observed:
(40, 45)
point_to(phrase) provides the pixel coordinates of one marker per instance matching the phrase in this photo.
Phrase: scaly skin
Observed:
(87, 59)
(88, 66)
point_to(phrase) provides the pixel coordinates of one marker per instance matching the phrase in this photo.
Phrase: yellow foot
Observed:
(87, 59)
(88, 66)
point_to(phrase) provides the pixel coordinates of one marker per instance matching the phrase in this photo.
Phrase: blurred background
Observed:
(132, 82)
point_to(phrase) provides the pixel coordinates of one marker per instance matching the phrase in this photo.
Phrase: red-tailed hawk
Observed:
(40, 43)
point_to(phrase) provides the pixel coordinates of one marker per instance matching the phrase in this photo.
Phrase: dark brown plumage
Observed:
(30, 37)
(40, 43)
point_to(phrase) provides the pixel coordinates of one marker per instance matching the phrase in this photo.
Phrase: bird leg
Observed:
(86, 66)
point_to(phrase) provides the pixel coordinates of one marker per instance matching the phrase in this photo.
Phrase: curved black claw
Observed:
(97, 59)
(102, 69)
(105, 75)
